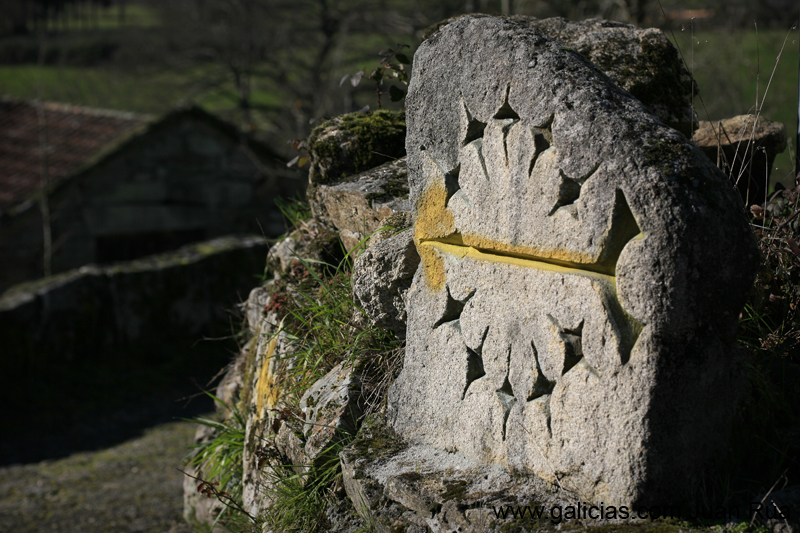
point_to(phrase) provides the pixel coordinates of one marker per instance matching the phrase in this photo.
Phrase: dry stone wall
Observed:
(582, 270)
(84, 314)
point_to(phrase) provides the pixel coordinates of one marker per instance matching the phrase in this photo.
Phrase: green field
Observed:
(95, 87)
(117, 15)
(152, 92)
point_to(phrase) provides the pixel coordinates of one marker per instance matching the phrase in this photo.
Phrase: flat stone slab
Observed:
(394, 484)
(582, 271)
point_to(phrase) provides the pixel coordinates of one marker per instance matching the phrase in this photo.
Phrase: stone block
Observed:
(332, 407)
(582, 271)
(381, 278)
(357, 207)
(395, 484)
(310, 242)
(744, 148)
(330, 410)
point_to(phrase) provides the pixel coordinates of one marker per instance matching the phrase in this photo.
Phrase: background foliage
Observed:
(274, 66)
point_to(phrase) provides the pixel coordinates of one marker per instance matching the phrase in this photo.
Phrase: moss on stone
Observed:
(347, 145)
(665, 86)
(376, 439)
(454, 490)
(655, 76)
(398, 221)
(395, 188)
(670, 156)
(249, 369)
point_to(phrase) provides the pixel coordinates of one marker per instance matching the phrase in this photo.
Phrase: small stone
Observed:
(311, 242)
(357, 207)
(332, 408)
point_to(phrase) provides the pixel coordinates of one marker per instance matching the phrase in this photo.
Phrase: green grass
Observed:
(265, 93)
(319, 322)
(220, 459)
(94, 87)
(136, 15)
(300, 499)
(111, 88)
(314, 301)
(732, 69)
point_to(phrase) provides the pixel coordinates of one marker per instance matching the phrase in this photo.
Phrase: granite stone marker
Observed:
(582, 271)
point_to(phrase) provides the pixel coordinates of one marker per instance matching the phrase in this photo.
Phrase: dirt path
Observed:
(132, 486)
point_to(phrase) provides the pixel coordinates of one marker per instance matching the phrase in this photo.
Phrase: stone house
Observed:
(122, 185)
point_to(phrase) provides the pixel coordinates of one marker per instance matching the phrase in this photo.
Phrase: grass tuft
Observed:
(220, 458)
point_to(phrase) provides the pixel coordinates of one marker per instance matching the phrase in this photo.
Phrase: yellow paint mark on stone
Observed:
(267, 391)
(433, 221)
(564, 257)
(435, 225)
(438, 248)
(433, 264)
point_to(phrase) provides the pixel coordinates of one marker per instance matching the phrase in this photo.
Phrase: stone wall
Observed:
(169, 300)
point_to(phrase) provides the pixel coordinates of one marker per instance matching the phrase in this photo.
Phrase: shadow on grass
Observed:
(90, 405)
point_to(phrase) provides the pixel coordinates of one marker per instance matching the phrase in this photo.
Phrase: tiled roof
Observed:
(74, 135)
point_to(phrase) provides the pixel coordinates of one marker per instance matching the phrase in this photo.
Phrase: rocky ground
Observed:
(131, 486)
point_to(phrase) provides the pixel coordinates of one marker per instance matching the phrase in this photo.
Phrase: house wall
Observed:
(180, 183)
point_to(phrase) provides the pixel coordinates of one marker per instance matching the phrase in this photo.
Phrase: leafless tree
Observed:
(300, 46)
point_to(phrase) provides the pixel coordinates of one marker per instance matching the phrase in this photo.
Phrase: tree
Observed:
(297, 49)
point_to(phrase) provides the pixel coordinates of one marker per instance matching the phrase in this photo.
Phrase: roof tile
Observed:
(74, 135)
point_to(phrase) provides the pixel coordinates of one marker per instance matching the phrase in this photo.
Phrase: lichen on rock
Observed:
(349, 144)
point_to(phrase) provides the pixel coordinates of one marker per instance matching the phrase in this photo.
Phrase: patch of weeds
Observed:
(322, 327)
(218, 461)
(392, 66)
(764, 445)
(294, 210)
(299, 499)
